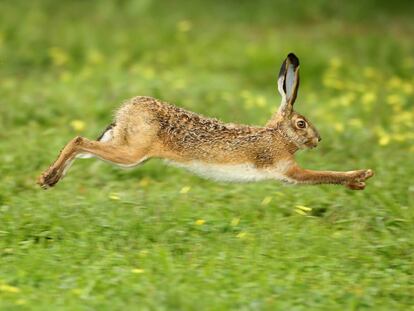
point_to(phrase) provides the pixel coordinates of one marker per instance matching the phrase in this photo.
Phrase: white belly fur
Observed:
(246, 172)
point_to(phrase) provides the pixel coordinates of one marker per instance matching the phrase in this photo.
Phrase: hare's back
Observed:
(191, 135)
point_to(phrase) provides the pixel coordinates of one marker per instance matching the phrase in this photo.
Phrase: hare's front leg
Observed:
(354, 180)
(120, 154)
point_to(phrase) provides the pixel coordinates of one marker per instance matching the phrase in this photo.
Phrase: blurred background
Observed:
(158, 238)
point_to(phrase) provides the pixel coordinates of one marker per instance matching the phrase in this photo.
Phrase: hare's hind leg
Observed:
(107, 135)
(111, 151)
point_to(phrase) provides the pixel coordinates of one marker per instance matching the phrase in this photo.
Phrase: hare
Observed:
(146, 128)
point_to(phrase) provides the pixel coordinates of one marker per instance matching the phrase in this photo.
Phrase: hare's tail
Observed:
(107, 133)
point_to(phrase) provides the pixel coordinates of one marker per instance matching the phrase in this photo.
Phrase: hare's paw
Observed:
(356, 186)
(358, 178)
(49, 178)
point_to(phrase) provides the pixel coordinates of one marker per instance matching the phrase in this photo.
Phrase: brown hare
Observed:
(146, 128)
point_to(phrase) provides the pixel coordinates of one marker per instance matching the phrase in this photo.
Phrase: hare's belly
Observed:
(246, 172)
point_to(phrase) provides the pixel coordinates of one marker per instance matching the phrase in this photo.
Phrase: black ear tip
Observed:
(293, 59)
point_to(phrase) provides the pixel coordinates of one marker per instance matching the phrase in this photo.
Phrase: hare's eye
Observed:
(301, 124)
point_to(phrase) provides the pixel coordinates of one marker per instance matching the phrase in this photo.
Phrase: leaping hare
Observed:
(146, 128)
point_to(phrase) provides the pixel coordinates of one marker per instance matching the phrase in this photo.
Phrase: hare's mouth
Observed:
(312, 143)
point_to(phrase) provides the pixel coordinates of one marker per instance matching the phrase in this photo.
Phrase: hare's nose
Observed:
(319, 138)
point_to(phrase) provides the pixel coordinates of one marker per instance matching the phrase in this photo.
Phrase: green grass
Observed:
(158, 238)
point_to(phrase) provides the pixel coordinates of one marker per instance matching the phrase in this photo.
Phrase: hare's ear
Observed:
(288, 83)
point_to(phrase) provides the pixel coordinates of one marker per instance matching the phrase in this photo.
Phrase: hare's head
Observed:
(293, 125)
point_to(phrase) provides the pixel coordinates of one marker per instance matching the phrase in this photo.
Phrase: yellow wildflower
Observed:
(77, 291)
(369, 98)
(235, 221)
(200, 222)
(114, 196)
(137, 271)
(348, 98)
(59, 56)
(384, 140)
(261, 101)
(408, 88)
(404, 117)
(394, 82)
(394, 99)
(8, 288)
(266, 201)
(399, 137)
(304, 208)
(339, 127)
(144, 182)
(338, 84)
(242, 235)
(78, 125)
(397, 108)
(185, 189)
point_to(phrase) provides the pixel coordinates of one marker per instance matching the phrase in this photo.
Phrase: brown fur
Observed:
(148, 128)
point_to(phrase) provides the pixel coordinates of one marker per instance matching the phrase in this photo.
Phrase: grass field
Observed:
(158, 238)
